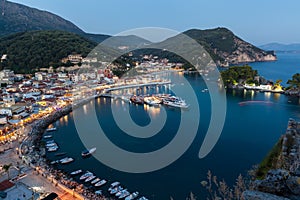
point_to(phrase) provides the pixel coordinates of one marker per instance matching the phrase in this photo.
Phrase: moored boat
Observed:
(113, 185)
(99, 192)
(51, 144)
(132, 196)
(116, 189)
(137, 99)
(86, 175)
(47, 136)
(51, 129)
(76, 172)
(61, 154)
(143, 198)
(52, 149)
(124, 194)
(90, 178)
(120, 192)
(54, 162)
(152, 101)
(66, 160)
(100, 183)
(95, 181)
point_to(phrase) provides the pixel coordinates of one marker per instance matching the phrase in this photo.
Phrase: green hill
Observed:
(30, 50)
(19, 18)
(226, 48)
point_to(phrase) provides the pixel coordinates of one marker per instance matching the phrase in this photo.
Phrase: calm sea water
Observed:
(250, 131)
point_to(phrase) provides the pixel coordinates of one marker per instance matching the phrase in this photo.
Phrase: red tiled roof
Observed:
(4, 185)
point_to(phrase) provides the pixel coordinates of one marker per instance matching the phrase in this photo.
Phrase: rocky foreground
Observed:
(282, 182)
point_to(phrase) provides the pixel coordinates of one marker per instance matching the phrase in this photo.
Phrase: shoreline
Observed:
(57, 177)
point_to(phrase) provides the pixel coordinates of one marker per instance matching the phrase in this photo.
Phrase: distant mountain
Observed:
(281, 47)
(30, 50)
(224, 47)
(19, 18)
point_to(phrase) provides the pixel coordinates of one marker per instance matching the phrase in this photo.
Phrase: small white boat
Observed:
(51, 129)
(90, 178)
(88, 152)
(95, 181)
(124, 194)
(116, 189)
(120, 192)
(143, 198)
(54, 162)
(76, 172)
(66, 160)
(47, 136)
(100, 183)
(52, 149)
(132, 196)
(99, 192)
(51, 144)
(86, 175)
(113, 185)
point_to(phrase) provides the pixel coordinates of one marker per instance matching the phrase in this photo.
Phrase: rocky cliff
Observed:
(283, 181)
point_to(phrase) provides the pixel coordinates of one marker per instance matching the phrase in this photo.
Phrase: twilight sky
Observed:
(256, 21)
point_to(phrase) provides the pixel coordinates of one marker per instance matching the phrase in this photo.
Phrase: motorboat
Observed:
(95, 180)
(132, 196)
(113, 185)
(124, 194)
(90, 178)
(51, 129)
(86, 175)
(88, 152)
(100, 183)
(66, 160)
(76, 172)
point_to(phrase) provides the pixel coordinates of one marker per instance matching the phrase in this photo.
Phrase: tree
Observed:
(6, 169)
(295, 82)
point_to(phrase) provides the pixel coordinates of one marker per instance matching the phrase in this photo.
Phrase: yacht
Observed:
(137, 99)
(76, 172)
(88, 152)
(152, 101)
(95, 181)
(100, 183)
(132, 196)
(86, 175)
(175, 102)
